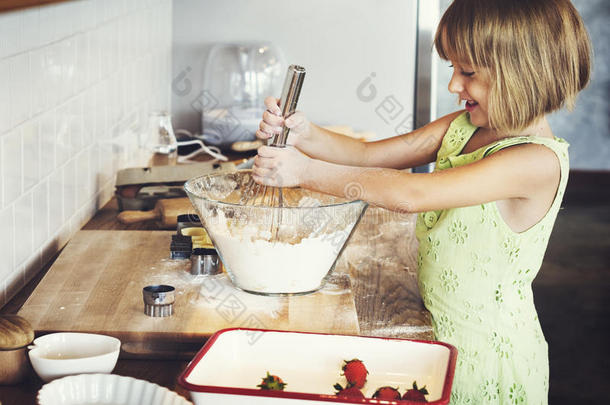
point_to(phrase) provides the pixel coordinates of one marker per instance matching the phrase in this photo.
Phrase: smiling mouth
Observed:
(471, 105)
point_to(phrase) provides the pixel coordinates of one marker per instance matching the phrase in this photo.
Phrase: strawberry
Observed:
(416, 394)
(272, 382)
(355, 372)
(348, 392)
(388, 393)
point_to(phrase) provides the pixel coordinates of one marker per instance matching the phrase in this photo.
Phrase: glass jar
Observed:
(160, 139)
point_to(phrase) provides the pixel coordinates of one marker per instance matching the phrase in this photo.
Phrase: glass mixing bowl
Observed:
(271, 250)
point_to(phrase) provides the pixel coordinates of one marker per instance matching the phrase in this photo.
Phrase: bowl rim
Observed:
(192, 195)
(34, 349)
(62, 380)
(444, 399)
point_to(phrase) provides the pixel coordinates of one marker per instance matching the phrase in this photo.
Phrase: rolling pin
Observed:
(165, 212)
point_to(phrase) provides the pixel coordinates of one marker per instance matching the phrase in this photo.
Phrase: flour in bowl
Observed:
(258, 263)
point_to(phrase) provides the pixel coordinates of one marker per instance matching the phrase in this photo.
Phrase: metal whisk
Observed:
(254, 193)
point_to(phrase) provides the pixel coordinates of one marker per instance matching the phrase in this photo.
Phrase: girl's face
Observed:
(472, 86)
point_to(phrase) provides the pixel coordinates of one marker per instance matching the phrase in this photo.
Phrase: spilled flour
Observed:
(216, 290)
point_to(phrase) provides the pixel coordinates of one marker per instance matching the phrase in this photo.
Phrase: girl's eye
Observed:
(468, 74)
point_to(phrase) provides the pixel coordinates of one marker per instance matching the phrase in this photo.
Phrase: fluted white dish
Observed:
(66, 353)
(89, 389)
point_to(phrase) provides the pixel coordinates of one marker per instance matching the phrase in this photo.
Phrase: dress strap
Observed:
(557, 145)
(457, 136)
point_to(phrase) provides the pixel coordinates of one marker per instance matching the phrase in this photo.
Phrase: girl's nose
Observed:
(455, 84)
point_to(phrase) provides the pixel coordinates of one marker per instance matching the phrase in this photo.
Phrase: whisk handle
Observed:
(288, 102)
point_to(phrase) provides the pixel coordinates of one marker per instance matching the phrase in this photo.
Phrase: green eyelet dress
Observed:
(475, 277)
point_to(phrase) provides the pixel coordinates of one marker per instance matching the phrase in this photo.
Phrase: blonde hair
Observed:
(537, 54)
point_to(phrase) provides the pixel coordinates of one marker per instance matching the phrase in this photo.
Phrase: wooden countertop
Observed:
(380, 259)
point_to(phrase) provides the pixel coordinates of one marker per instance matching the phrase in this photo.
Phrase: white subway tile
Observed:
(75, 78)
(89, 15)
(82, 61)
(10, 36)
(46, 21)
(63, 144)
(99, 12)
(30, 135)
(23, 228)
(106, 162)
(47, 142)
(19, 88)
(11, 166)
(130, 85)
(68, 67)
(103, 40)
(76, 124)
(78, 12)
(64, 26)
(56, 201)
(94, 164)
(93, 66)
(37, 76)
(121, 94)
(69, 189)
(109, 10)
(52, 74)
(5, 96)
(83, 183)
(40, 207)
(89, 115)
(30, 28)
(105, 194)
(7, 241)
(101, 110)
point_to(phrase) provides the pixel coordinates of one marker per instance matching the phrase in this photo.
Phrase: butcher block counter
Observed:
(378, 268)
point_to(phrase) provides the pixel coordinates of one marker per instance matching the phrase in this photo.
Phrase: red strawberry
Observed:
(416, 394)
(348, 391)
(355, 372)
(272, 382)
(388, 393)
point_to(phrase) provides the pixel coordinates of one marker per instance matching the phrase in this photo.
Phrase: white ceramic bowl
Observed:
(61, 354)
(228, 368)
(88, 389)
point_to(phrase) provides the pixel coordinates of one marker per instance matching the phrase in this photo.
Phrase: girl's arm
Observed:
(400, 152)
(518, 172)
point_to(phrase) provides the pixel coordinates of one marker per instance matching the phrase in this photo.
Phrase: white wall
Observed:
(340, 42)
(76, 81)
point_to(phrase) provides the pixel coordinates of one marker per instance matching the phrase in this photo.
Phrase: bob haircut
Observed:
(537, 54)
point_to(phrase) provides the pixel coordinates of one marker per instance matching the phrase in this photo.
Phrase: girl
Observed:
(486, 212)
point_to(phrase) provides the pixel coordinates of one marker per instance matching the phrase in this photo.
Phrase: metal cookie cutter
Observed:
(158, 300)
(205, 261)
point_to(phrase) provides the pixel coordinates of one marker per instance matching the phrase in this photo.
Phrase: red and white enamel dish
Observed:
(233, 362)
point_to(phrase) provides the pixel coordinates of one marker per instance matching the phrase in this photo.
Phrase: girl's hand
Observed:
(273, 123)
(280, 167)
